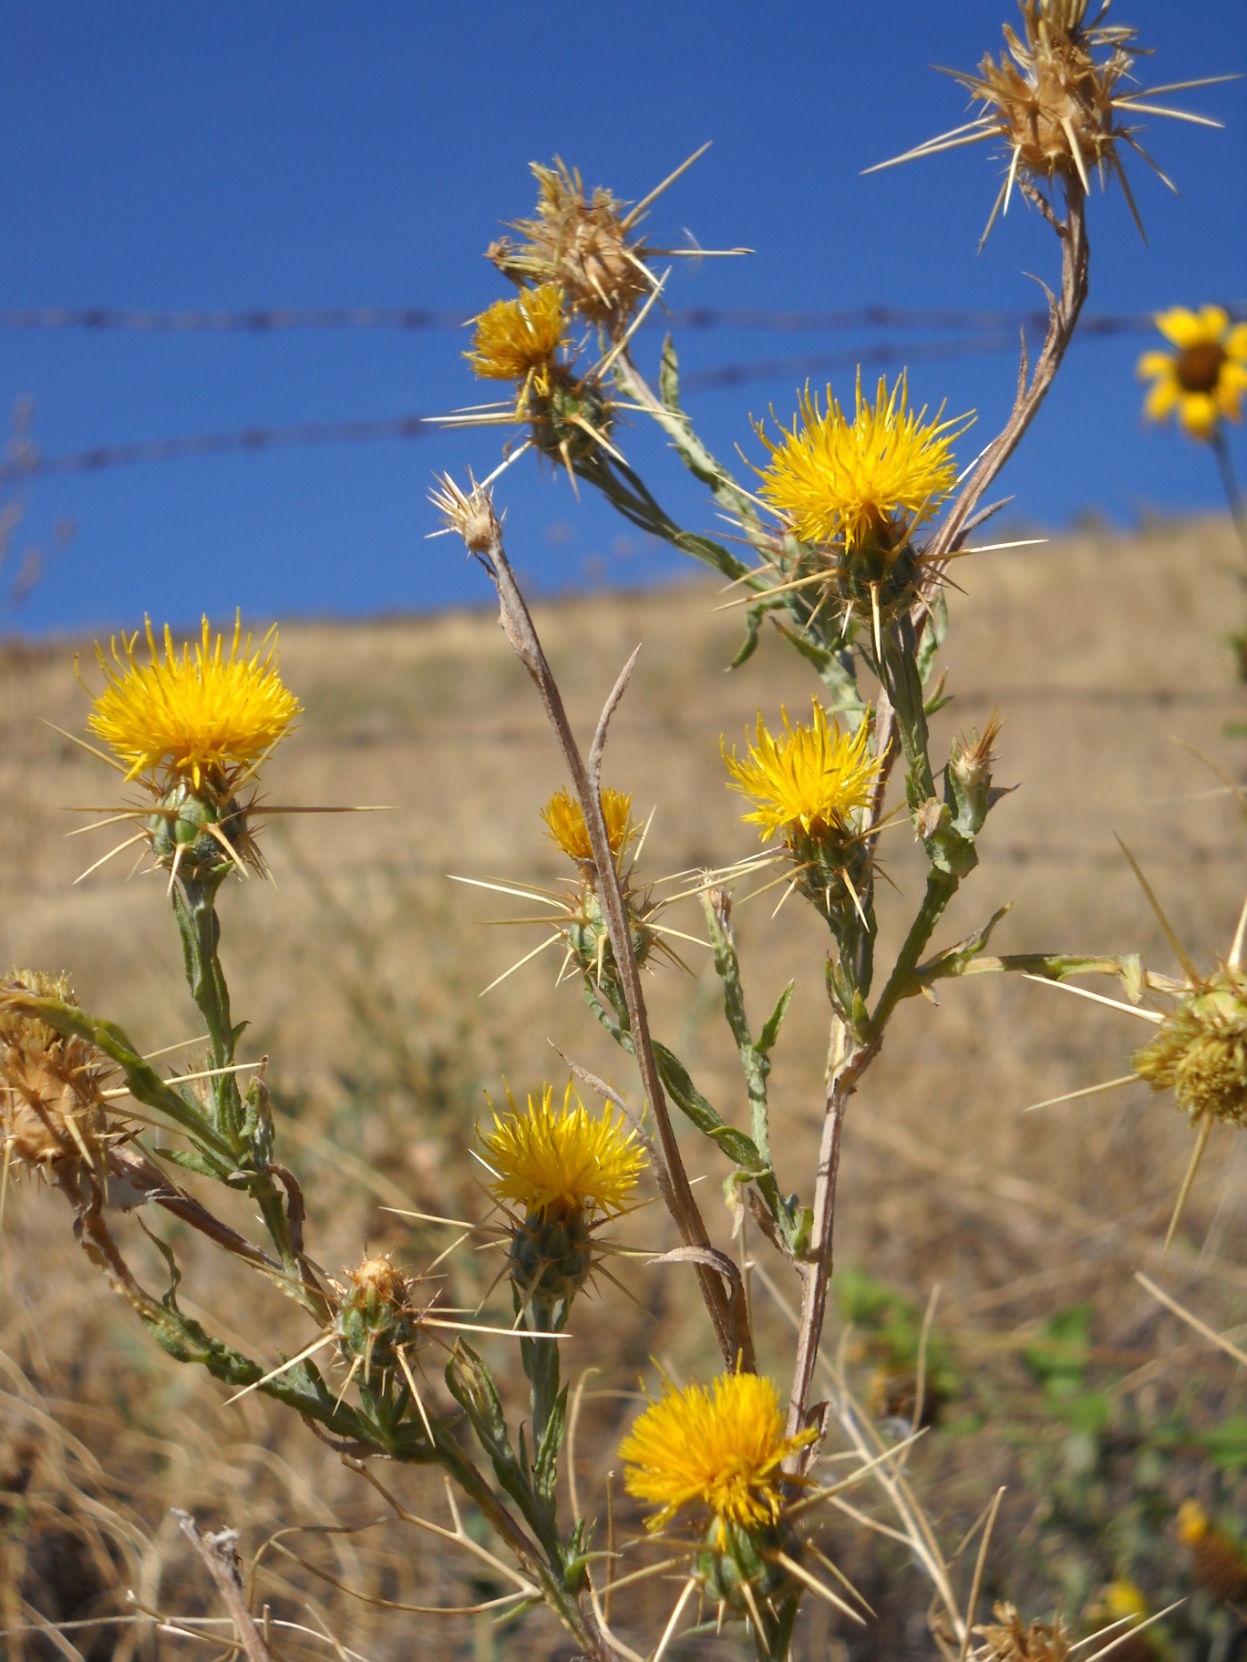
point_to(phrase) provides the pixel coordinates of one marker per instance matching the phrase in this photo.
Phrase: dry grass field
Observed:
(359, 971)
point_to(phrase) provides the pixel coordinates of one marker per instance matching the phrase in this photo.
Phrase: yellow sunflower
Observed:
(1204, 380)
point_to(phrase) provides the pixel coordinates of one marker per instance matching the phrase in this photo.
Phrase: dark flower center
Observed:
(1199, 367)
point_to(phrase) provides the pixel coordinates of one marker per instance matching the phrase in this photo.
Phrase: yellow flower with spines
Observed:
(1203, 382)
(519, 340)
(203, 711)
(865, 483)
(565, 823)
(566, 1161)
(719, 1449)
(808, 781)
(559, 1176)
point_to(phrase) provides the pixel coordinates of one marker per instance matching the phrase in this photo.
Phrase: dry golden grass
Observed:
(359, 973)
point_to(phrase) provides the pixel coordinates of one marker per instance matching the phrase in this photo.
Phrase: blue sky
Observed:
(298, 153)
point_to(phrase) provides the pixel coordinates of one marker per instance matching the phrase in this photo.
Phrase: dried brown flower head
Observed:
(1006, 1640)
(1060, 99)
(51, 1101)
(580, 243)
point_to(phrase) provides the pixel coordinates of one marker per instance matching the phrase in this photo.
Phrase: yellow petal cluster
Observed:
(205, 710)
(518, 340)
(868, 481)
(810, 779)
(565, 823)
(1204, 380)
(568, 1162)
(721, 1449)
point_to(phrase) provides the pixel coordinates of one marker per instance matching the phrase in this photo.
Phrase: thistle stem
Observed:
(518, 626)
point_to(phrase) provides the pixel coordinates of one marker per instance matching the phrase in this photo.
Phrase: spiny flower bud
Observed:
(194, 829)
(1200, 1050)
(469, 514)
(970, 775)
(376, 1317)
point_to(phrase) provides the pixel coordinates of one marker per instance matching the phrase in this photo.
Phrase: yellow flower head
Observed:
(1204, 380)
(565, 823)
(871, 480)
(810, 780)
(203, 712)
(518, 340)
(564, 1164)
(720, 1449)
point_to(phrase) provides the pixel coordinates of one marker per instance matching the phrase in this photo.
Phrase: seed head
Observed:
(580, 244)
(1062, 101)
(469, 514)
(51, 1102)
(1006, 1640)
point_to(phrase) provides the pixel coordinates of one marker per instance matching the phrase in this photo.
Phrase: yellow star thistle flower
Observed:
(210, 712)
(568, 1163)
(565, 823)
(809, 781)
(720, 1449)
(1205, 379)
(869, 481)
(518, 340)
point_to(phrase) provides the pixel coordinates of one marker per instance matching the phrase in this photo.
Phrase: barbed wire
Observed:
(275, 319)
(998, 332)
(28, 463)
(33, 465)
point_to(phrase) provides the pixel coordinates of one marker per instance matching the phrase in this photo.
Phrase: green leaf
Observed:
(771, 1026)
(693, 1105)
(192, 1160)
(545, 1470)
(669, 376)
